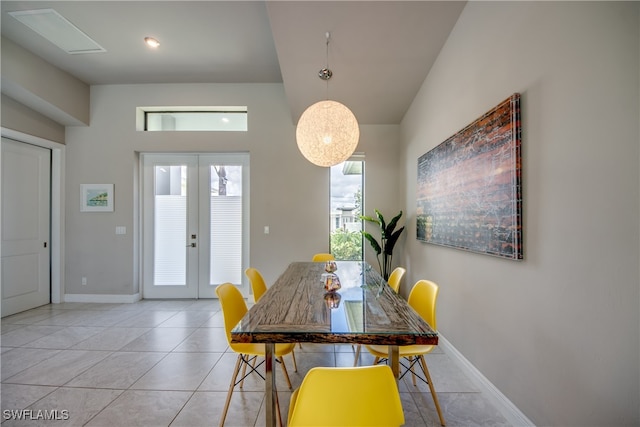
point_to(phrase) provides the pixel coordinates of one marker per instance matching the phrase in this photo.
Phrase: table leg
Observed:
(270, 385)
(394, 358)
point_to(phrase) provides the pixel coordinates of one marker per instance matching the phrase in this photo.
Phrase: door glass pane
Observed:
(225, 259)
(170, 220)
(346, 207)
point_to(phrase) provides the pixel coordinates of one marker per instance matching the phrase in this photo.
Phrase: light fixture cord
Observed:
(328, 36)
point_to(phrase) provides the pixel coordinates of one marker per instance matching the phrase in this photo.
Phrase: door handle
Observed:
(192, 245)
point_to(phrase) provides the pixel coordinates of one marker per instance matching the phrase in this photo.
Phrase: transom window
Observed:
(217, 119)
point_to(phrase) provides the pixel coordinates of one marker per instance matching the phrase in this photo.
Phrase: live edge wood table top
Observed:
(296, 308)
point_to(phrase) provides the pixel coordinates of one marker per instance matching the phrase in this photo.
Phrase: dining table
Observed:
(298, 308)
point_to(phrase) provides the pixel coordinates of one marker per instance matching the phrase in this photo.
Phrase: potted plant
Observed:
(388, 238)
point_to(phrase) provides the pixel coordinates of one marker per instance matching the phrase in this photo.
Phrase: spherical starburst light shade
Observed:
(327, 133)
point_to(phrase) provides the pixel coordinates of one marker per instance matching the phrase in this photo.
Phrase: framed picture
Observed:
(469, 187)
(96, 197)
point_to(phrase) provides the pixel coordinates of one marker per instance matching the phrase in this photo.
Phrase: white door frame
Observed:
(57, 206)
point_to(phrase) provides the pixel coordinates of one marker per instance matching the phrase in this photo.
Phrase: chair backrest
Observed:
(358, 396)
(258, 286)
(423, 300)
(233, 306)
(395, 278)
(323, 257)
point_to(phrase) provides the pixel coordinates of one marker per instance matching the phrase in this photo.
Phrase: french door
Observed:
(195, 223)
(26, 196)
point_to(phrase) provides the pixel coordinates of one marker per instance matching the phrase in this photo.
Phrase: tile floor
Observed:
(166, 363)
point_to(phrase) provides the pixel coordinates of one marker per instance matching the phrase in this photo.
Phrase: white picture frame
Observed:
(96, 197)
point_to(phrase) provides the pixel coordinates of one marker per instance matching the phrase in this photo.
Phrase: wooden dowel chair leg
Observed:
(244, 371)
(284, 372)
(413, 373)
(278, 409)
(236, 370)
(433, 390)
(357, 356)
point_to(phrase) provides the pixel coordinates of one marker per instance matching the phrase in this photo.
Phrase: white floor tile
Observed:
(167, 363)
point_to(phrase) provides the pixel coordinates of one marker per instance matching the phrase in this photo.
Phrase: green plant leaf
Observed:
(381, 222)
(369, 219)
(392, 224)
(374, 243)
(391, 241)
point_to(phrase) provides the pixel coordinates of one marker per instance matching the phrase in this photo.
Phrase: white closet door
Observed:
(26, 196)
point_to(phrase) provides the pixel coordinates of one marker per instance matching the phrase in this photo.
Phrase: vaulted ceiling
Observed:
(380, 51)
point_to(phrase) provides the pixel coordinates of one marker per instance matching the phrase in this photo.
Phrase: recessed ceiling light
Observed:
(58, 30)
(151, 42)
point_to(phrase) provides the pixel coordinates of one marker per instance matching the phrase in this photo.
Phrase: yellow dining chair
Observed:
(395, 278)
(258, 288)
(233, 310)
(258, 285)
(422, 299)
(362, 396)
(323, 257)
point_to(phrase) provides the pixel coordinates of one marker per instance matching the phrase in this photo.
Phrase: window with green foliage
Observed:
(346, 207)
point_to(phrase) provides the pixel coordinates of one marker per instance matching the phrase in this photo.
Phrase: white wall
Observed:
(558, 333)
(288, 193)
(21, 118)
(42, 87)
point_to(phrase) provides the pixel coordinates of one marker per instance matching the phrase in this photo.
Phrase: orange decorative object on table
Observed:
(330, 266)
(331, 282)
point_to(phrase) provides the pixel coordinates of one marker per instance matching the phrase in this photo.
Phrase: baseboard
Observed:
(102, 298)
(510, 411)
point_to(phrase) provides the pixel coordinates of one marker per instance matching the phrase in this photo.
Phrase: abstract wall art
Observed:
(469, 187)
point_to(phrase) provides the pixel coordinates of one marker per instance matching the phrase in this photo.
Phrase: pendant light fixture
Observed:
(327, 132)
